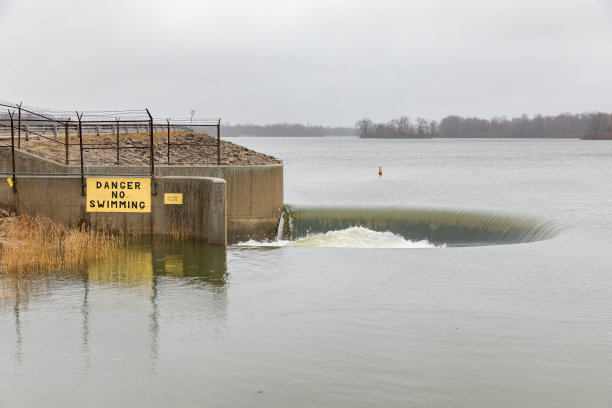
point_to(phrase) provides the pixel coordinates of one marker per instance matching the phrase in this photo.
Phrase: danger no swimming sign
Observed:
(119, 195)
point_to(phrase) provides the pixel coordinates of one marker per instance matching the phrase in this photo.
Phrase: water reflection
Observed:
(18, 333)
(85, 324)
(154, 325)
(13, 296)
(127, 267)
(190, 259)
(152, 285)
(161, 267)
(138, 263)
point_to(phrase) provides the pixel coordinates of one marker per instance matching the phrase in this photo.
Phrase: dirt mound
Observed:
(186, 148)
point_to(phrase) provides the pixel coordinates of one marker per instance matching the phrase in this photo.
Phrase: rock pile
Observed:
(186, 148)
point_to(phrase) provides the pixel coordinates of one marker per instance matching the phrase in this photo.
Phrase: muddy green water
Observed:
(468, 324)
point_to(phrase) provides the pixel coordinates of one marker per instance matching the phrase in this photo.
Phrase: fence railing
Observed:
(114, 138)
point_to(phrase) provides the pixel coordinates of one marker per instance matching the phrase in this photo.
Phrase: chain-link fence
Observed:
(109, 138)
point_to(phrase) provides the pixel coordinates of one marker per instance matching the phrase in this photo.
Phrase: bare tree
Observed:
(404, 124)
(364, 127)
(599, 126)
(422, 126)
(433, 127)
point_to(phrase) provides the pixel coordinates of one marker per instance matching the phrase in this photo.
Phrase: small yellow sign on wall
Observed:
(119, 195)
(173, 198)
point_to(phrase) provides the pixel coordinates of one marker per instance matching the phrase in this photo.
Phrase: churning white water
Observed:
(354, 237)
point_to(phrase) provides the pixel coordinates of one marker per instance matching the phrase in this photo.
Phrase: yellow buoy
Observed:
(380, 170)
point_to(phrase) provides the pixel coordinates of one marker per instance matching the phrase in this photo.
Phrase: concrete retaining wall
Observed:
(202, 213)
(254, 194)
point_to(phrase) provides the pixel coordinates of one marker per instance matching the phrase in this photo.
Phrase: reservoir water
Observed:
(473, 273)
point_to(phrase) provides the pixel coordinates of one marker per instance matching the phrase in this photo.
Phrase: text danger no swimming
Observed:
(118, 195)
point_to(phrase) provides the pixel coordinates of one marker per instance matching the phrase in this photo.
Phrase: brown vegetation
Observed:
(34, 243)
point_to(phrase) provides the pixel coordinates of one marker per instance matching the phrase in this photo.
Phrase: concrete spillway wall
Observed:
(253, 195)
(202, 213)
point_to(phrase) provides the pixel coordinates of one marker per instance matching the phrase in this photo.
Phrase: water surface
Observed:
(187, 324)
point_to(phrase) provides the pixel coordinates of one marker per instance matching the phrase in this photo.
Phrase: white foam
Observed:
(354, 237)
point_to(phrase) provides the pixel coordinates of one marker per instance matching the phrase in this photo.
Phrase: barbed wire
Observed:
(34, 113)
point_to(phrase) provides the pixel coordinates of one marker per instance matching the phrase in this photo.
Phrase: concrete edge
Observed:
(213, 213)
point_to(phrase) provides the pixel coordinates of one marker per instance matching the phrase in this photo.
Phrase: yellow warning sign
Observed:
(119, 195)
(173, 198)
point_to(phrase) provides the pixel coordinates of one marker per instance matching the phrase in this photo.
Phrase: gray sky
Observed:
(327, 62)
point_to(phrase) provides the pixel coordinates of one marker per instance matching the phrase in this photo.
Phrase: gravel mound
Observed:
(186, 148)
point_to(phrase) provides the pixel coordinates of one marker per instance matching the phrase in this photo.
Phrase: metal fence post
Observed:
(81, 149)
(152, 152)
(219, 142)
(117, 142)
(19, 126)
(12, 114)
(168, 141)
(67, 141)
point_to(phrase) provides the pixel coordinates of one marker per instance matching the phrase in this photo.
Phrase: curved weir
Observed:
(438, 227)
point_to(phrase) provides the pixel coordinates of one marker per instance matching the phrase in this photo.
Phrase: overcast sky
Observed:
(327, 62)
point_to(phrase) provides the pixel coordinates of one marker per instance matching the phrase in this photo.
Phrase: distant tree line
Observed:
(599, 127)
(400, 128)
(285, 129)
(594, 125)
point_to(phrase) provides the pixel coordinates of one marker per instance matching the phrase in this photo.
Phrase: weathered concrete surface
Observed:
(202, 214)
(30, 163)
(254, 193)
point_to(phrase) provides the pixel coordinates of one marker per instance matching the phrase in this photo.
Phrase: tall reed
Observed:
(35, 243)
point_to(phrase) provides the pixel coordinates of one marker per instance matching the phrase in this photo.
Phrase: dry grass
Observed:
(176, 229)
(35, 243)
